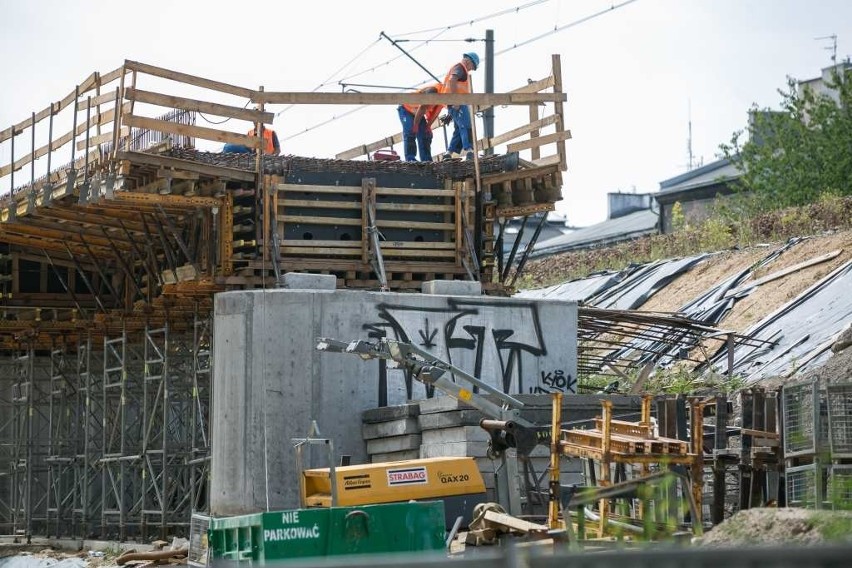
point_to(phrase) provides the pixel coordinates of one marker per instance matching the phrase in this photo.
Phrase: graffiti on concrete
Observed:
(498, 343)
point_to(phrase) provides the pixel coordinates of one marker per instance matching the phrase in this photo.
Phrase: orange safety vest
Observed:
(463, 86)
(433, 110)
(268, 142)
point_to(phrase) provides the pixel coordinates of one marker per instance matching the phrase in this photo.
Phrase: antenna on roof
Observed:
(832, 47)
(690, 165)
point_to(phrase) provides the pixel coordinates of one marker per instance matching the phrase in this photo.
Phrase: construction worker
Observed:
(458, 81)
(417, 126)
(271, 146)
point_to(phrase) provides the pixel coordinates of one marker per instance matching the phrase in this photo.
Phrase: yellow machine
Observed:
(455, 481)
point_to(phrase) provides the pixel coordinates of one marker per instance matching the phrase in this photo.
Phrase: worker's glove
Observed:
(445, 119)
(415, 127)
(428, 129)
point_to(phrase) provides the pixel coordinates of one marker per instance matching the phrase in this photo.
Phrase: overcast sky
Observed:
(631, 74)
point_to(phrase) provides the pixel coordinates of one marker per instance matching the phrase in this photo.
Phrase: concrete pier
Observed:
(270, 382)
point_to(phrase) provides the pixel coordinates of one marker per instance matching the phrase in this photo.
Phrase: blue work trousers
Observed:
(236, 149)
(412, 141)
(462, 140)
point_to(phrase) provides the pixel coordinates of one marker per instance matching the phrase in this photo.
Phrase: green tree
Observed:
(800, 152)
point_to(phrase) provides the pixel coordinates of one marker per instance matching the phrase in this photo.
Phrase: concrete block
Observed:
(449, 419)
(457, 434)
(452, 288)
(454, 449)
(299, 281)
(395, 456)
(399, 427)
(442, 404)
(393, 444)
(388, 413)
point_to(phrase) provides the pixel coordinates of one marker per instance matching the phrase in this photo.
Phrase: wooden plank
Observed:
(351, 190)
(172, 101)
(188, 79)
(318, 220)
(418, 245)
(394, 252)
(514, 523)
(408, 192)
(102, 118)
(102, 138)
(365, 149)
(389, 141)
(176, 174)
(415, 207)
(186, 165)
(478, 99)
(321, 204)
(88, 84)
(535, 154)
(321, 251)
(548, 160)
(95, 101)
(558, 109)
(531, 128)
(524, 210)
(518, 174)
(294, 243)
(540, 141)
(189, 130)
(784, 272)
(388, 224)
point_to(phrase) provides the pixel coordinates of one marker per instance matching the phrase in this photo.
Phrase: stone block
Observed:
(456, 434)
(454, 449)
(393, 444)
(452, 288)
(299, 281)
(442, 404)
(388, 413)
(449, 419)
(395, 456)
(399, 427)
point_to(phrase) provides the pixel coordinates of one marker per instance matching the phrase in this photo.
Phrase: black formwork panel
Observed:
(348, 230)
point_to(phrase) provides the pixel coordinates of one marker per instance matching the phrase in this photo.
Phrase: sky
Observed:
(634, 75)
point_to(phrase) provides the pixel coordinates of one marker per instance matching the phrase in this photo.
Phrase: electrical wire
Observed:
(328, 80)
(557, 29)
(493, 15)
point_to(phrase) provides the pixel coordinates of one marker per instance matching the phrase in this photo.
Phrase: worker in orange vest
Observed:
(417, 126)
(458, 81)
(271, 146)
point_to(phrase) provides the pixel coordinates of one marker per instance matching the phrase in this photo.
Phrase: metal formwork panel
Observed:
(839, 402)
(840, 487)
(806, 486)
(801, 419)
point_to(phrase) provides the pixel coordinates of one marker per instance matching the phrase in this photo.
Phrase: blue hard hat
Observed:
(474, 58)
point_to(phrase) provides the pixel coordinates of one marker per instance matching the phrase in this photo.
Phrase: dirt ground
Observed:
(789, 527)
(766, 298)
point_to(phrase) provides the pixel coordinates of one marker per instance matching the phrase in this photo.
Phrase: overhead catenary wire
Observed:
(442, 30)
(556, 29)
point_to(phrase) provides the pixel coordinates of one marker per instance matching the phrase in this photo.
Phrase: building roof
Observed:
(611, 231)
(705, 176)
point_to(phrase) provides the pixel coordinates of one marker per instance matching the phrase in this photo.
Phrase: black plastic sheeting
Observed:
(798, 335)
(625, 290)
(802, 331)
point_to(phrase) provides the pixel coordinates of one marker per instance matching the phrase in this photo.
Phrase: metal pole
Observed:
(488, 113)
(408, 55)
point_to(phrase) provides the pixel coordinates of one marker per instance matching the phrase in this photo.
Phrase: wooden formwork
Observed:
(104, 204)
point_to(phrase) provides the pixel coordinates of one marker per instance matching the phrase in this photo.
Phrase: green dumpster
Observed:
(304, 533)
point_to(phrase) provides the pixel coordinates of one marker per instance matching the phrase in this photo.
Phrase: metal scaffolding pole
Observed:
(63, 419)
(29, 470)
(89, 448)
(7, 443)
(122, 436)
(202, 391)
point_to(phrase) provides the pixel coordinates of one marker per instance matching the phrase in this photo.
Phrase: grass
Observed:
(730, 227)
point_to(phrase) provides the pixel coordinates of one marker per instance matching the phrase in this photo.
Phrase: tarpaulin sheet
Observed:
(574, 290)
(801, 329)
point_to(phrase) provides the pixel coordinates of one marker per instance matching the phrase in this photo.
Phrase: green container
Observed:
(305, 533)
